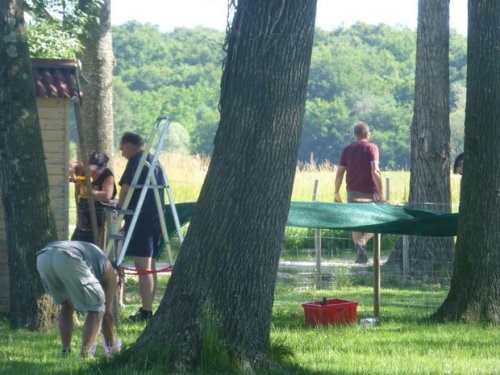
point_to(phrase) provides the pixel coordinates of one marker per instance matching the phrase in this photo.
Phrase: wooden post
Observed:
(85, 158)
(406, 259)
(317, 242)
(376, 274)
(387, 189)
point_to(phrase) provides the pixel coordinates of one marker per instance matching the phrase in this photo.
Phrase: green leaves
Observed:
(364, 72)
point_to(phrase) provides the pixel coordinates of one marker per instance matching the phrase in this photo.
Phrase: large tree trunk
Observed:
(97, 67)
(29, 220)
(475, 288)
(225, 274)
(430, 135)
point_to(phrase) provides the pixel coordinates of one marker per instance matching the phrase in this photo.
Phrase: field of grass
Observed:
(402, 343)
(186, 174)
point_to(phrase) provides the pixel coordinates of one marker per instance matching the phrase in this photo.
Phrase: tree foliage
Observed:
(364, 72)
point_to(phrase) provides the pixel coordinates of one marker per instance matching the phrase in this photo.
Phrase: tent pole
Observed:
(85, 158)
(376, 274)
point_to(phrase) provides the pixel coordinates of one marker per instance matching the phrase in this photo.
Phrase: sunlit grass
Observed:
(186, 174)
(403, 343)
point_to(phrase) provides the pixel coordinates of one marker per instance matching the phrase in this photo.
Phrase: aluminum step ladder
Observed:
(118, 242)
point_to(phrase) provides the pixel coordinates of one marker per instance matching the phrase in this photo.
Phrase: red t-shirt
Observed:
(357, 158)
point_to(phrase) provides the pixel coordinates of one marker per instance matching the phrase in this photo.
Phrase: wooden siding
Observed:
(54, 114)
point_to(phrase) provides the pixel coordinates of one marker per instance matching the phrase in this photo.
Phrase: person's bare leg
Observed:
(66, 324)
(90, 331)
(146, 282)
(365, 237)
(155, 280)
(356, 237)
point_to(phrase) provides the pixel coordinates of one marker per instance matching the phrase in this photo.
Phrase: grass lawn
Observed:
(403, 342)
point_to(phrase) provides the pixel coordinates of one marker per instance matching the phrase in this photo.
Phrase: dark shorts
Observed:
(80, 235)
(143, 243)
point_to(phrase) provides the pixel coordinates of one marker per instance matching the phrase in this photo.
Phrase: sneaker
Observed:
(141, 316)
(109, 351)
(361, 258)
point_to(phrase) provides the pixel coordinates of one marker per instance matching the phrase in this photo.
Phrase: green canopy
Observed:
(362, 217)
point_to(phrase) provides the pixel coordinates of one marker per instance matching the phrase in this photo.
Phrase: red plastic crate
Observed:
(331, 311)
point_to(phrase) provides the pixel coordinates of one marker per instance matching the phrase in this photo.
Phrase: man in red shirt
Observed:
(364, 181)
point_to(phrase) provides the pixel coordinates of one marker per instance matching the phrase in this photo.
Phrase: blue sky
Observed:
(168, 14)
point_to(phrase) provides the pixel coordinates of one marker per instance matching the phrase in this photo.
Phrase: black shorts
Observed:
(80, 235)
(144, 243)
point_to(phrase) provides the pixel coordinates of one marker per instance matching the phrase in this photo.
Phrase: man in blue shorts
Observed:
(145, 240)
(79, 276)
(364, 181)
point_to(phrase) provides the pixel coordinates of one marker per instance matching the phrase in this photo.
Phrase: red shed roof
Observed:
(55, 78)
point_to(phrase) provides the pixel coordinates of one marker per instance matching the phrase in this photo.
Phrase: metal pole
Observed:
(317, 242)
(376, 275)
(85, 158)
(387, 189)
(406, 259)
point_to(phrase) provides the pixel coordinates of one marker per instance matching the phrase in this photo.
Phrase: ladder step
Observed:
(127, 212)
(117, 236)
(148, 186)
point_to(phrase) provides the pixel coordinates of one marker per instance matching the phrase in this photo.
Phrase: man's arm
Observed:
(377, 180)
(123, 193)
(338, 182)
(106, 193)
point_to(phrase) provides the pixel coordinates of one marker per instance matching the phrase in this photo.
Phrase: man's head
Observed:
(361, 130)
(458, 165)
(98, 161)
(131, 144)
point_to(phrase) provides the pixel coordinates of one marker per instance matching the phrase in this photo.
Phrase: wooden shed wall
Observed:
(54, 116)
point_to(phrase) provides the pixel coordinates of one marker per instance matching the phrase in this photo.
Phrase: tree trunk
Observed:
(29, 220)
(224, 277)
(475, 288)
(97, 68)
(430, 134)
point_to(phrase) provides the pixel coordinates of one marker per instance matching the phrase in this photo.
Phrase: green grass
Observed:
(403, 343)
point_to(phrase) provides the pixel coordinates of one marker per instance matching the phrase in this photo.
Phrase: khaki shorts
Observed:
(66, 275)
(356, 197)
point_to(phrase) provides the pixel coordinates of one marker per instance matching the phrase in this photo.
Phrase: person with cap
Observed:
(364, 181)
(103, 192)
(79, 276)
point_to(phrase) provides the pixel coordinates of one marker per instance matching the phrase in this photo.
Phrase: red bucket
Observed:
(331, 311)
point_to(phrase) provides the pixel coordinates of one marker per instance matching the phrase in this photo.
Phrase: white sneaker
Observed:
(109, 351)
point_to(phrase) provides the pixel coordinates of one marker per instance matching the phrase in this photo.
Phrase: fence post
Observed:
(387, 189)
(376, 274)
(406, 259)
(317, 242)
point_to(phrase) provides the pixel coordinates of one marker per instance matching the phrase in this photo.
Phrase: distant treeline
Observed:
(363, 72)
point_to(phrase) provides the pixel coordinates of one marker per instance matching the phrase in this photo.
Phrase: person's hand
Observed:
(336, 198)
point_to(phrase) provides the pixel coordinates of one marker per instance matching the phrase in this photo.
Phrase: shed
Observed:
(55, 84)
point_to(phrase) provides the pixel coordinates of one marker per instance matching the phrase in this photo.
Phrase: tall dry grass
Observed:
(187, 172)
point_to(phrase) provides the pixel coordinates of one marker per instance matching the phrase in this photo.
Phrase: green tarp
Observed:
(369, 217)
